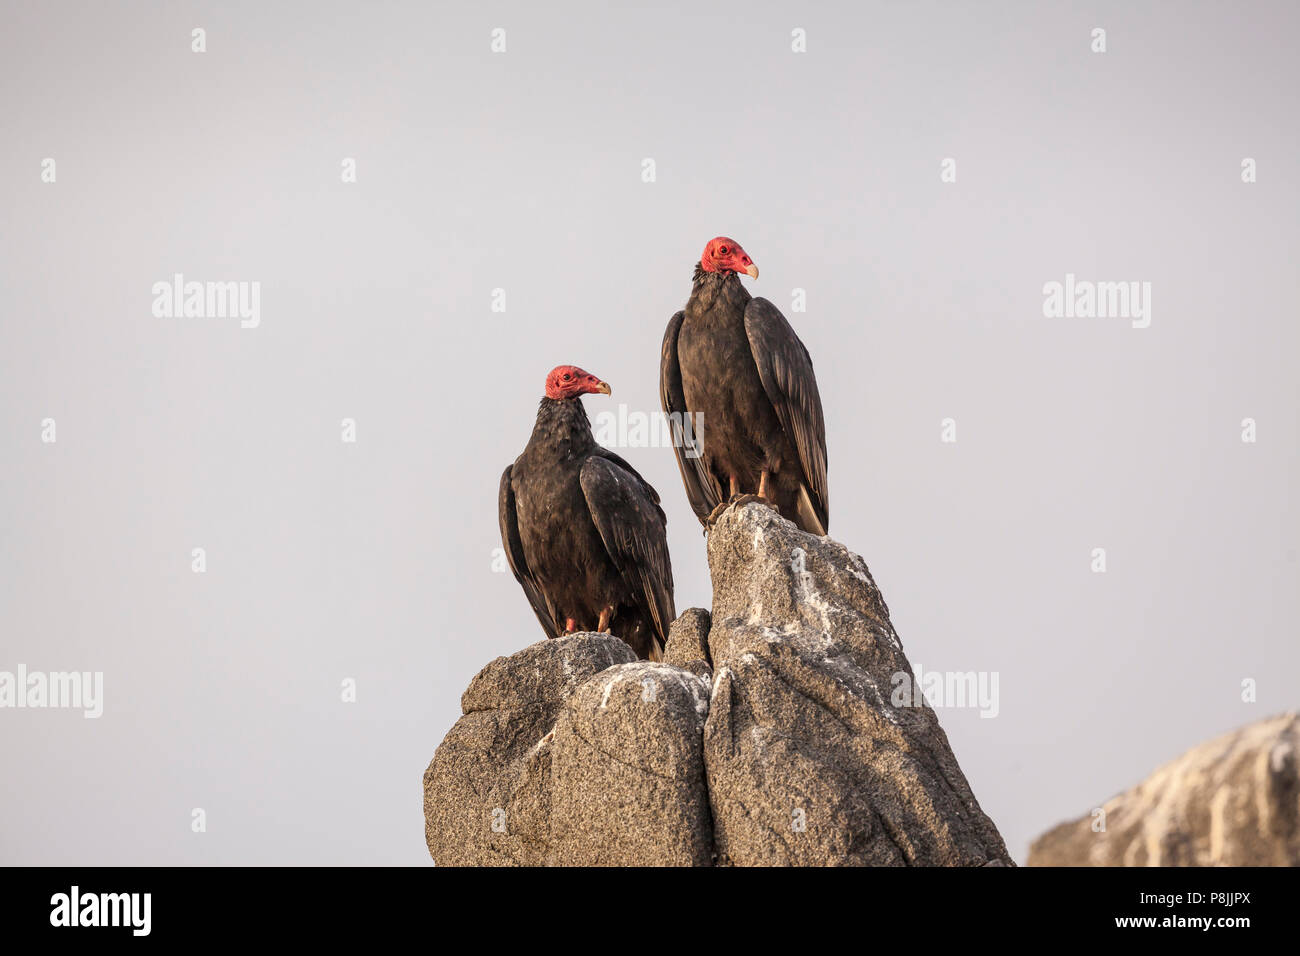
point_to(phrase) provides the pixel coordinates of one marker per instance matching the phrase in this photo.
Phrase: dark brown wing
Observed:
(509, 522)
(702, 489)
(786, 371)
(622, 463)
(634, 530)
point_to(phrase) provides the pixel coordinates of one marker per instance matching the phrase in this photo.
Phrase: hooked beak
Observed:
(602, 387)
(752, 271)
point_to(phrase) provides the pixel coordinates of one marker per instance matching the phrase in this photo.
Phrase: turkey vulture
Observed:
(734, 365)
(583, 532)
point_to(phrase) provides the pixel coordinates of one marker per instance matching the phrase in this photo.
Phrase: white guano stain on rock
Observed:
(659, 674)
(808, 593)
(717, 678)
(609, 687)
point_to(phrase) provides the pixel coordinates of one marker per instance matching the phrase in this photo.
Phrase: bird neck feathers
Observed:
(562, 426)
(711, 288)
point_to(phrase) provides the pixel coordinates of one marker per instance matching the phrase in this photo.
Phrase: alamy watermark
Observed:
(179, 299)
(66, 690)
(941, 689)
(1085, 299)
(130, 910)
(625, 428)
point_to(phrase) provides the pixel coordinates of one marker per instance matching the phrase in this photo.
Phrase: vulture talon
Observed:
(735, 500)
(714, 515)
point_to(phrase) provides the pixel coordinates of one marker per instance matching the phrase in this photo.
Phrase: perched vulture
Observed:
(583, 532)
(735, 367)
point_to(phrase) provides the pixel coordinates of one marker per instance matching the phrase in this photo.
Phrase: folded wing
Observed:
(509, 521)
(633, 528)
(702, 488)
(786, 371)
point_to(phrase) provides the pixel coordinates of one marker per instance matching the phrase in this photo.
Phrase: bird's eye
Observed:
(567, 376)
(722, 249)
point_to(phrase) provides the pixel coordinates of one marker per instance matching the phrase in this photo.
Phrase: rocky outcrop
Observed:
(1234, 801)
(766, 736)
(688, 642)
(809, 760)
(487, 793)
(629, 771)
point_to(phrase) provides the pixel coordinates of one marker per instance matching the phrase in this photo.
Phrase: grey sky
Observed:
(523, 171)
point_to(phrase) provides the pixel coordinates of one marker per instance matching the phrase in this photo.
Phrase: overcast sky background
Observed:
(523, 171)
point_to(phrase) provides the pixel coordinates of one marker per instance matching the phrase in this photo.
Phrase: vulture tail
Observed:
(806, 514)
(638, 632)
